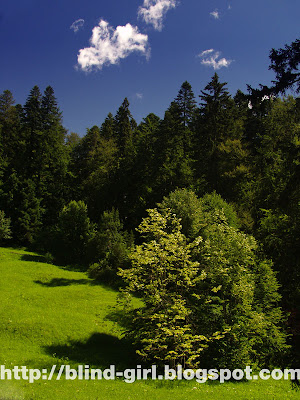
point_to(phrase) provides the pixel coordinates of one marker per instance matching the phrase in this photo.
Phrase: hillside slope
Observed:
(51, 315)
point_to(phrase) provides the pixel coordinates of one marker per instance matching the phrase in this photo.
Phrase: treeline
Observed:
(81, 200)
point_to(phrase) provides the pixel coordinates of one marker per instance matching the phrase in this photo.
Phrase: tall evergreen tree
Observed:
(125, 126)
(53, 157)
(121, 184)
(219, 138)
(6, 102)
(32, 110)
(285, 62)
(173, 153)
(40, 169)
(108, 127)
(11, 135)
(143, 171)
(187, 103)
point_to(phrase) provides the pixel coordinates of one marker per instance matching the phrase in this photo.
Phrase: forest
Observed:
(197, 213)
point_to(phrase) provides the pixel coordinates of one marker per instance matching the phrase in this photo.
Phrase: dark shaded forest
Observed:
(198, 212)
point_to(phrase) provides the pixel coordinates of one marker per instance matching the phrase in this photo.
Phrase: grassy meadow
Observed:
(54, 315)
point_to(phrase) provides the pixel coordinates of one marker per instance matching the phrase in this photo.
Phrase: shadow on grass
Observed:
(61, 282)
(100, 350)
(33, 258)
(44, 259)
(121, 316)
(65, 282)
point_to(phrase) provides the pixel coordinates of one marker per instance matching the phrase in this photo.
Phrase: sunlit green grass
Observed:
(50, 315)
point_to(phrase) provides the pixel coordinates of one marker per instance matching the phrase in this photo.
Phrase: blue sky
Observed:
(141, 49)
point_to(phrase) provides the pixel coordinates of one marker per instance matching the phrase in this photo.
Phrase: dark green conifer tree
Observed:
(221, 151)
(187, 103)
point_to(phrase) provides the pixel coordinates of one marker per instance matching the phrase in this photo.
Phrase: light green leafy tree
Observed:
(164, 272)
(210, 296)
(240, 293)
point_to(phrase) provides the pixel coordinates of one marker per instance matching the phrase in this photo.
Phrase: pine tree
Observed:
(32, 110)
(120, 187)
(40, 168)
(125, 126)
(108, 127)
(6, 102)
(11, 135)
(51, 116)
(187, 103)
(53, 158)
(30, 212)
(174, 156)
(221, 151)
(144, 169)
(215, 102)
(285, 63)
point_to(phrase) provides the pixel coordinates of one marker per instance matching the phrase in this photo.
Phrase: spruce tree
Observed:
(125, 126)
(174, 157)
(53, 157)
(108, 127)
(187, 103)
(221, 152)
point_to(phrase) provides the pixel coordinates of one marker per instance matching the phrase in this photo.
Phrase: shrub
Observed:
(73, 235)
(5, 231)
(111, 246)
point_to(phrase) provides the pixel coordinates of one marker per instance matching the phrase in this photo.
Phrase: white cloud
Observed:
(153, 11)
(139, 96)
(78, 24)
(215, 14)
(210, 58)
(206, 52)
(108, 45)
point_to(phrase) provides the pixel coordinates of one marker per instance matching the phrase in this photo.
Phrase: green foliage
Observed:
(195, 214)
(143, 170)
(174, 162)
(285, 63)
(221, 151)
(125, 126)
(187, 104)
(224, 293)
(31, 211)
(5, 231)
(163, 272)
(212, 202)
(186, 205)
(111, 246)
(241, 296)
(281, 238)
(74, 234)
(36, 162)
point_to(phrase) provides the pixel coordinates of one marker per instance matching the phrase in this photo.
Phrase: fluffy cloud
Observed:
(108, 46)
(215, 14)
(78, 24)
(211, 58)
(153, 11)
